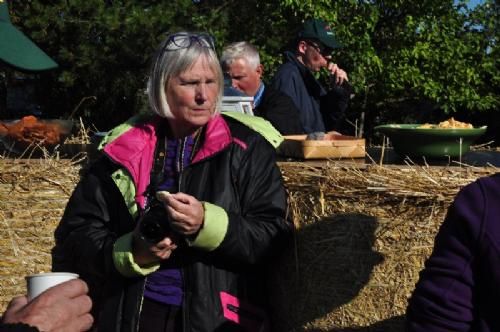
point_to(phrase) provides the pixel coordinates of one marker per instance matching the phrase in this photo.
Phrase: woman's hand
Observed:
(145, 253)
(185, 215)
(185, 212)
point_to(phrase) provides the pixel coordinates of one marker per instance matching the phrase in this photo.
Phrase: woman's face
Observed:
(192, 97)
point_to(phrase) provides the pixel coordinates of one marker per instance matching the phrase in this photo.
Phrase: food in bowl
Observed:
(413, 141)
(451, 123)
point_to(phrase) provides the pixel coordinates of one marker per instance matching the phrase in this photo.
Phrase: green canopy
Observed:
(17, 50)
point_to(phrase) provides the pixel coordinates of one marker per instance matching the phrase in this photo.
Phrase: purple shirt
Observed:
(459, 288)
(165, 284)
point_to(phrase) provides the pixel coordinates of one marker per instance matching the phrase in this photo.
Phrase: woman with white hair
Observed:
(172, 227)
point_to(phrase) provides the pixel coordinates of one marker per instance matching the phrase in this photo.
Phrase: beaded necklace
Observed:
(182, 144)
(178, 154)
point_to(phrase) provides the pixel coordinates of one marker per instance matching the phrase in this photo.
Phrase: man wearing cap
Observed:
(17, 51)
(320, 110)
(240, 62)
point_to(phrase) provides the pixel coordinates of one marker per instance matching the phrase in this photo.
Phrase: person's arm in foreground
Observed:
(65, 307)
(443, 297)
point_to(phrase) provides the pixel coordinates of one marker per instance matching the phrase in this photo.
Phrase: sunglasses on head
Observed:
(181, 40)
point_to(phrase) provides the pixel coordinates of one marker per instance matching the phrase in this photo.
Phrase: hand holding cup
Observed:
(63, 307)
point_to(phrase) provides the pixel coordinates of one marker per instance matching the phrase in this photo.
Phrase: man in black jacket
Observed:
(320, 109)
(241, 62)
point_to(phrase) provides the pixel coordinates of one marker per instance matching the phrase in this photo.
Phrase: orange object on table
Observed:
(3, 130)
(30, 130)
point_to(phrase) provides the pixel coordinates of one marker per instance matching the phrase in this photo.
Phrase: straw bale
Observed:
(362, 237)
(33, 194)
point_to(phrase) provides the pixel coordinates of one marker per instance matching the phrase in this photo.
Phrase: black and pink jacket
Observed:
(234, 173)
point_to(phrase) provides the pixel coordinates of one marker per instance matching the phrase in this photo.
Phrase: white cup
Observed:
(38, 283)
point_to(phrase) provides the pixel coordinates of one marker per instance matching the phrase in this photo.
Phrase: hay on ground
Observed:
(362, 236)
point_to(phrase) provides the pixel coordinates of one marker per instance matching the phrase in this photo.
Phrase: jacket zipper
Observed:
(140, 306)
(184, 274)
(185, 271)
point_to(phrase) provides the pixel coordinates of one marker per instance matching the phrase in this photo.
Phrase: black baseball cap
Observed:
(319, 30)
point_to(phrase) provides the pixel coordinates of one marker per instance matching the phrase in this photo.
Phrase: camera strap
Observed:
(157, 171)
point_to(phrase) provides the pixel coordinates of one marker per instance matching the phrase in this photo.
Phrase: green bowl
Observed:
(409, 140)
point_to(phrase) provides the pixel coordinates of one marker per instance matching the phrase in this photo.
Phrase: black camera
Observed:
(155, 223)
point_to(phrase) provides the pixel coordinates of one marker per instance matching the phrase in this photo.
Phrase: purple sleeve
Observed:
(443, 299)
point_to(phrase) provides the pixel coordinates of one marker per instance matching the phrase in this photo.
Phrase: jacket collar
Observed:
(291, 57)
(306, 74)
(134, 147)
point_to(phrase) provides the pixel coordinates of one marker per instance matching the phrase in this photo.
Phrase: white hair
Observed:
(240, 50)
(170, 61)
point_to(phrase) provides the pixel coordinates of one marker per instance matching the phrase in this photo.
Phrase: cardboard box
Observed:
(332, 146)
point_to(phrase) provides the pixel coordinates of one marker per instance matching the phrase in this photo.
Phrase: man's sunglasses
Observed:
(185, 40)
(321, 49)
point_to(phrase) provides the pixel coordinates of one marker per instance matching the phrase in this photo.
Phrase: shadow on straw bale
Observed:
(331, 262)
(330, 280)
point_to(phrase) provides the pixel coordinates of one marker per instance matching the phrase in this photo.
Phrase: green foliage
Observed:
(415, 61)
(103, 49)
(405, 59)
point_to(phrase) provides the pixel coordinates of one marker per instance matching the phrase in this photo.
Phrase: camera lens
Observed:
(154, 224)
(151, 230)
